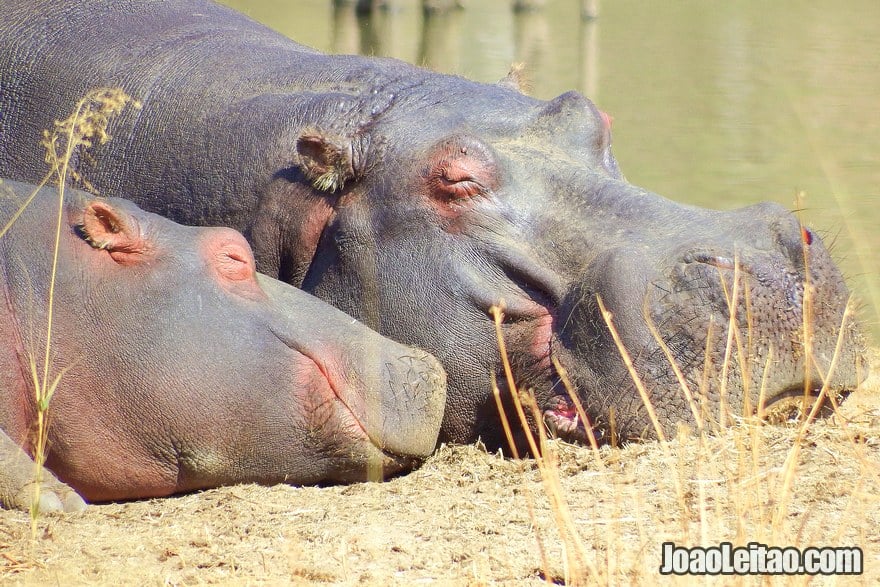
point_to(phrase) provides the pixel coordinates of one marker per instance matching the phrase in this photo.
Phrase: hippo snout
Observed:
(735, 313)
(412, 392)
(396, 393)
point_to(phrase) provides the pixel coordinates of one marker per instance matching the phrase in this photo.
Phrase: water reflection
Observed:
(440, 48)
(588, 81)
(716, 104)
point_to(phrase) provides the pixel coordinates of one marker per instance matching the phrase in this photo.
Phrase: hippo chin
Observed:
(417, 201)
(181, 369)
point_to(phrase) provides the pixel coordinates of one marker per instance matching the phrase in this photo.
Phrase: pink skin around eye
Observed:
(230, 257)
(457, 172)
(234, 263)
(461, 175)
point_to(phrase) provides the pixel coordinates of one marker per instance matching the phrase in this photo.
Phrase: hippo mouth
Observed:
(564, 421)
(607, 406)
(792, 404)
(361, 453)
(378, 460)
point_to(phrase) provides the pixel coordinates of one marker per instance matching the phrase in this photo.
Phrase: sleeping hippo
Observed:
(180, 368)
(417, 201)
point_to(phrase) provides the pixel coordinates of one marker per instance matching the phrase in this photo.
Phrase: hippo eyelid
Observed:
(236, 256)
(470, 186)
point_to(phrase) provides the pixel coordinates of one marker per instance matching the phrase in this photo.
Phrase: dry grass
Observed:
(85, 126)
(464, 517)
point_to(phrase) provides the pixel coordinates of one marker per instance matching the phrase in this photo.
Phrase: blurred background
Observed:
(718, 104)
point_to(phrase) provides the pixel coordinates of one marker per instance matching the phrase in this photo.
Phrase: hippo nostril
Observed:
(719, 261)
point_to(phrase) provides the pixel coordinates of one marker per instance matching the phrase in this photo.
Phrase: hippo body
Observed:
(416, 201)
(181, 368)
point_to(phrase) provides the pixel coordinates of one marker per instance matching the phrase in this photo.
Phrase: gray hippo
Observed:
(181, 368)
(417, 201)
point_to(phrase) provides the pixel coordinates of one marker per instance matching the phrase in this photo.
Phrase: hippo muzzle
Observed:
(749, 311)
(383, 396)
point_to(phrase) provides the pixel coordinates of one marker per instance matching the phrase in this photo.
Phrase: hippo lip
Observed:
(563, 421)
(346, 411)
(319, 366)
(390, 463)
(793, 403)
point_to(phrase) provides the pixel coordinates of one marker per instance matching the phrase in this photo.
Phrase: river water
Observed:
(719, 104)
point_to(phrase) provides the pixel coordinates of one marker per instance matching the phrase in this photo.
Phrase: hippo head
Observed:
(444, 208)
(181, 368)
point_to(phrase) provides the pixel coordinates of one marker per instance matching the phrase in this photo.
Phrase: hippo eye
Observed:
(227, 253)
(234, 263)
(455, 182)
(459, 169)
(461, 189)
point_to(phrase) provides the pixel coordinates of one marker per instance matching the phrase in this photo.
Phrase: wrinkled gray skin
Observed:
(416, 201)
(181, 368)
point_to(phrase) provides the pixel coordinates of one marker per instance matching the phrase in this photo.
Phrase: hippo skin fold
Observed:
(181, 368)
(417, 201)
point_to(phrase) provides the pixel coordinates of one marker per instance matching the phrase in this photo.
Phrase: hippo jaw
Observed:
(333, 416)
(330, 416)
(770, 401)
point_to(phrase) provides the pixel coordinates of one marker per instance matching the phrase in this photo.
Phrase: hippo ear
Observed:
(326, 160)
(516, 79)
(109, 228)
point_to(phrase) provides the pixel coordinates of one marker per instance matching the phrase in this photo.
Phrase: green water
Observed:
(719, 104)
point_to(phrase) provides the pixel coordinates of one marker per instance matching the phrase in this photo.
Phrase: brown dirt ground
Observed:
(469, 517)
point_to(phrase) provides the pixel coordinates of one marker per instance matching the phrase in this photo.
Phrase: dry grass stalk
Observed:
(791, 462)
(542, 551)
(574, 554)
(649, 406)
(82, 129)
(732, 300)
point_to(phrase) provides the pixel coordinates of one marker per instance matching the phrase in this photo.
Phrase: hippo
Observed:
(417, 202)
(179, 368)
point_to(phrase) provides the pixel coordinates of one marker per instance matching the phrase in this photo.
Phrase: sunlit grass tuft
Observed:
(85, 127)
